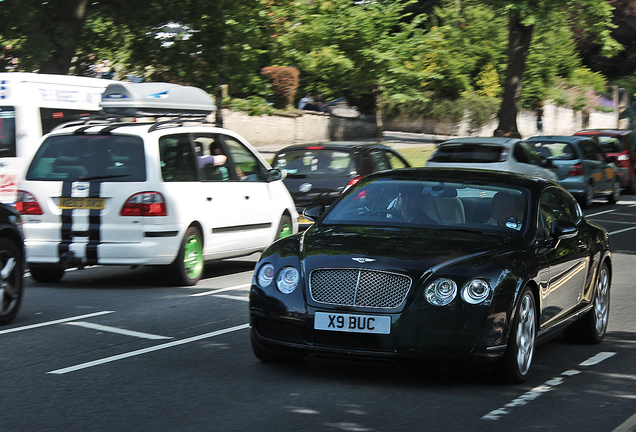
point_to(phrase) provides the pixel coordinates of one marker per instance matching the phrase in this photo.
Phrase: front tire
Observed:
(517, 360)
(11, 283)
(44, 273)
(187, 268)
(591, 328)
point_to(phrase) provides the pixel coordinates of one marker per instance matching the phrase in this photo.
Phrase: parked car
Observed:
(318, 173)
(161, 193)
(620, 143)
(490, 264)
(581, 165)
(493, 153)
(11, 263)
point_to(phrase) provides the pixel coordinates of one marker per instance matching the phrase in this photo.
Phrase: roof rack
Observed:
(156, 100)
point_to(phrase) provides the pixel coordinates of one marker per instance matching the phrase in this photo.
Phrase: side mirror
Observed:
(276, 174)
(561, 230)
(546, 163)
(611, 159)
(313, 213)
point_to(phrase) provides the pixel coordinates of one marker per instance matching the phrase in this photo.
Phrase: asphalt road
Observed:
(116, 349)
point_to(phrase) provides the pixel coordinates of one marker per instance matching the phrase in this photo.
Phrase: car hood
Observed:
(417, 252)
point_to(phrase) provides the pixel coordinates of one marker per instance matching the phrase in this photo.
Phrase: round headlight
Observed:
(441, 292)
(287, 280)
(475, 291)
(265, 275)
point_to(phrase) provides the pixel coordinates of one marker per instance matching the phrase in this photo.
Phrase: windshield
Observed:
(112, 158)
(315, 162)
(433, 205)
(470, 153)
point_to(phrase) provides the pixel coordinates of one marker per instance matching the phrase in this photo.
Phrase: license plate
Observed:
(352, 323)
(81, 203)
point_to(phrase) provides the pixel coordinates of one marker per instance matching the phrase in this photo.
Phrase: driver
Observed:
(409, 202)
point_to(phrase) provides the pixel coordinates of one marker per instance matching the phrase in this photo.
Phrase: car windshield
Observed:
(470, 153)
(112, 158)
(553, 150)
(315, 162)
(433, 205)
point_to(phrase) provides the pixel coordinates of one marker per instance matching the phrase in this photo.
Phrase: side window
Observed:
(177, 159)
(553, 207)
(246, 164)
(395, 161)
(526, 154)
(213, 162)
(379, 160)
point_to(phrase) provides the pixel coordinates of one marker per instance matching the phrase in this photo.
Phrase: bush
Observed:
(251, 105)
(284, 82)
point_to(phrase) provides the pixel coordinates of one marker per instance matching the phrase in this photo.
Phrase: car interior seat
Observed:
(443, 206)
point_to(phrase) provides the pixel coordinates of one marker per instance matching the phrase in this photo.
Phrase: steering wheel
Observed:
(392, 213)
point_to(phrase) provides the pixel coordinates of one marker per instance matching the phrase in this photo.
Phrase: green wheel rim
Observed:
(285, 231)
(193, 257)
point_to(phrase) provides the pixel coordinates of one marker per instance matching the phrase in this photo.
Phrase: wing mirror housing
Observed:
(561, 230)
(276, 174)
(611, 159)
(313, 213)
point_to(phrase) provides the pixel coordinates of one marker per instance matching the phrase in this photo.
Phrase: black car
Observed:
(318, 173)
(434, 263)
(11, 263)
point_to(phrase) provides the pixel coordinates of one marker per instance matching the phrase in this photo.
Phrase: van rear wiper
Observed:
(107, 176)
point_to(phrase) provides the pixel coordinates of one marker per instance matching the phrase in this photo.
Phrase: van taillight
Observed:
(144, 204)
(26, 204)
(576, 170)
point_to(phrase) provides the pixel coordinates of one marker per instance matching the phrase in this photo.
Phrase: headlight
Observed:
(287, 280)
(265, 275)
(441, 292)
(475, 291)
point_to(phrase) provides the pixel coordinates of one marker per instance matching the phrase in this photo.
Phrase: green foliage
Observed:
(583, 99)
(487, 82)
(284, 83)
(251, 105)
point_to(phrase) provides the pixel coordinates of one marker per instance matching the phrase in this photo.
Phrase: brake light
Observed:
(26, 204)
(576, 170)
(352, 182)
(623, 160)
(144, 204)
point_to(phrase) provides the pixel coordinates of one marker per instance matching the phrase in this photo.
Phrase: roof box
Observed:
(155, 99)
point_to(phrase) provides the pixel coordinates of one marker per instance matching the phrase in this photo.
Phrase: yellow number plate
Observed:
(81, 203)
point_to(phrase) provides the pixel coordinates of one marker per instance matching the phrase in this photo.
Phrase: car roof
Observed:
(466, 174)
(502, 141)
(558, 138)
(335, 145)
(132, 128)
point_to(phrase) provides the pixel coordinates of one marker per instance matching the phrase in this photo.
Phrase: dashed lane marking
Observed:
(546, 387)
(48, 323)
(147, 350)
(237, 287)
(117, 330)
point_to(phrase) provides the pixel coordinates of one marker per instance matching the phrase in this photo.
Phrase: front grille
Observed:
(358, 287)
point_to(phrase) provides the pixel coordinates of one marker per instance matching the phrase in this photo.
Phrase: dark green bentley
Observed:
(435, 263)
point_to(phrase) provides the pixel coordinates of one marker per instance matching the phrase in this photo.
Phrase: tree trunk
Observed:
(377, 93)
(519, 38)
(69, 21)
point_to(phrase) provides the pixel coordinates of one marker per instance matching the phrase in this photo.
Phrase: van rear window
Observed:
(112, 158)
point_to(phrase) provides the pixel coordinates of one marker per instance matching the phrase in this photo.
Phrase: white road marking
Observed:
(597, 358)
(117, 330)
(147, 350)
(237, 287)
(627, 426)
(48, 323)
(231, 297)
(599, 213)
(545, 387)
(621, 231)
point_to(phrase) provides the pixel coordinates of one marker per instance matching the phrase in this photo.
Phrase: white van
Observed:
(31, 105)
(174, 193)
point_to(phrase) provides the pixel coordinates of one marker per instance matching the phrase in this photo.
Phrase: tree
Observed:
(594, 16)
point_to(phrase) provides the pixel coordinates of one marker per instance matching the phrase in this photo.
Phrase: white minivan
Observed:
(170, 193)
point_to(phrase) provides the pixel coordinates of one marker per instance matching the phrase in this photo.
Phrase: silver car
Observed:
(493, 153)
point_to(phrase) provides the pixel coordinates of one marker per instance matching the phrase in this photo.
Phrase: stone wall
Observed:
(297, 127)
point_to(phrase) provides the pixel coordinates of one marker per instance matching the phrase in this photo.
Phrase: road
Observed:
(116, 349)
